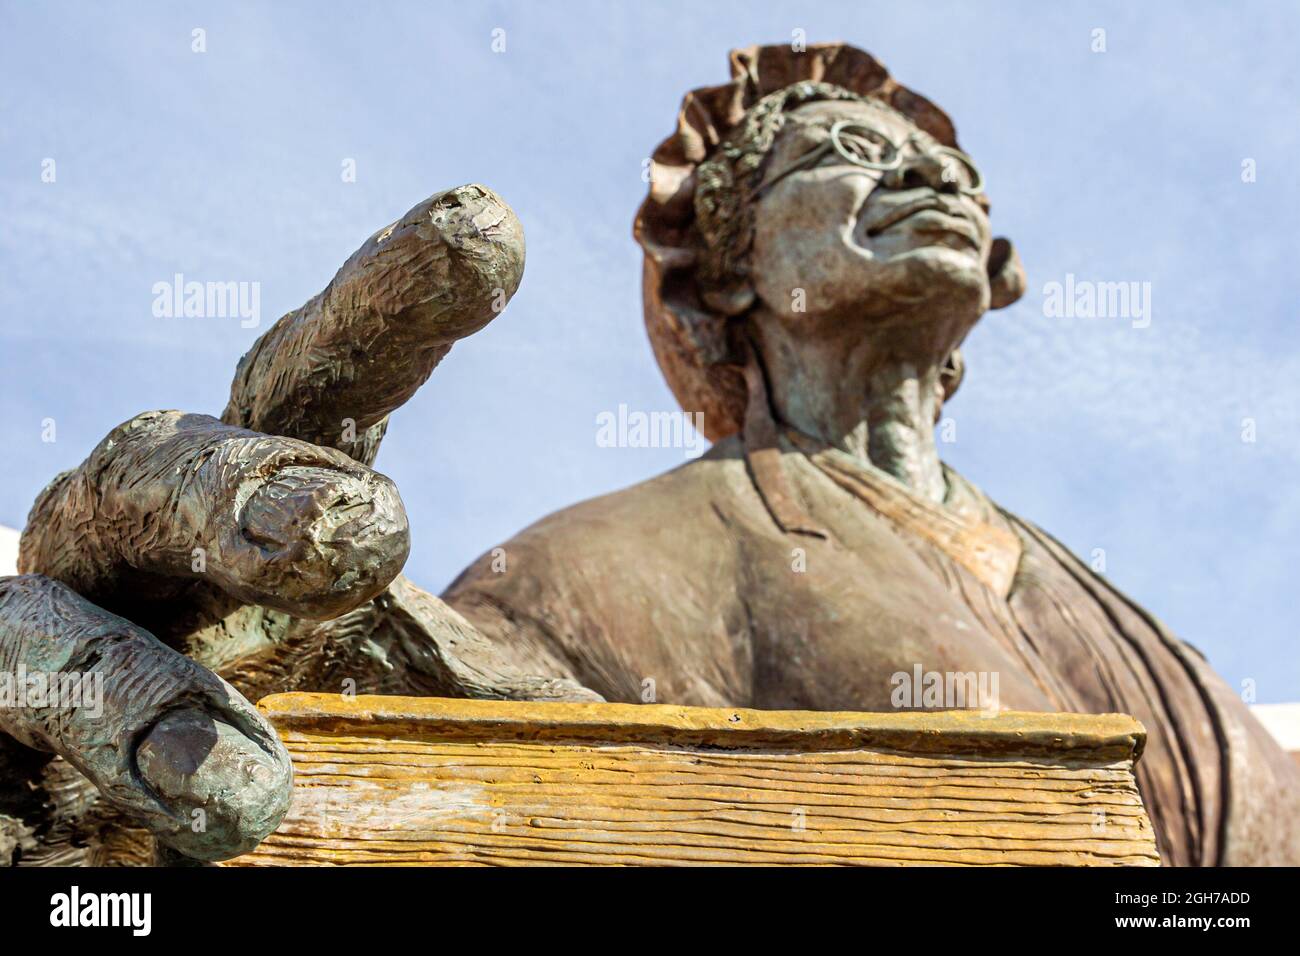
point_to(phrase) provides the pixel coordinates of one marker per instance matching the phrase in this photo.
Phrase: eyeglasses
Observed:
(856, 144)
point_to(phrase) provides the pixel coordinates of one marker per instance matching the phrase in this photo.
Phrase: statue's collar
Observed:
(962, 527)
(966, 526)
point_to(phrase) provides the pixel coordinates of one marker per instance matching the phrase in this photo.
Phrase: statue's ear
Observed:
(734, 300)
(1006, 274)
(953, 371)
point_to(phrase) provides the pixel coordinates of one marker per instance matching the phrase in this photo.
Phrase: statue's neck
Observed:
(875, 396)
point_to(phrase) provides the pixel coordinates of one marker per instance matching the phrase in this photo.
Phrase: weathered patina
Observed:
(426, 781)
(810, 300)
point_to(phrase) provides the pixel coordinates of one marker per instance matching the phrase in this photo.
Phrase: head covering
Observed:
(690, 340)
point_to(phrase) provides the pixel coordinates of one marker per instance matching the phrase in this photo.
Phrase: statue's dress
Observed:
(685, 589)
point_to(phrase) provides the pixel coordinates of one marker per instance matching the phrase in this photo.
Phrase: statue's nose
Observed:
(924, 169)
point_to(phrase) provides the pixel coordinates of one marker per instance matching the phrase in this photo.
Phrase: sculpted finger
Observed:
(270, 521)
(330, 372)
(168, 743)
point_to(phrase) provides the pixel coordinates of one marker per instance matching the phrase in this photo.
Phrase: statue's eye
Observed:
(961, 169)
(861, 148)
(864, 146)
(853, 143)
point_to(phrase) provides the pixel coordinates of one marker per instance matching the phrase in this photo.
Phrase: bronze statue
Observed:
(817, 248)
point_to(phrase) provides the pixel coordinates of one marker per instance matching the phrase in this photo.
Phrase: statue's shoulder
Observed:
(670, 525)
(681, 501)
(967, 498)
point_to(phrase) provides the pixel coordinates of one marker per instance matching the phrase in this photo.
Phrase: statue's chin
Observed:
(950, 278)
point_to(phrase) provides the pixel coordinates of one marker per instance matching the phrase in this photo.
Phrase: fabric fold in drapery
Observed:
(989, 552)
(763, 455)
(1112, 656)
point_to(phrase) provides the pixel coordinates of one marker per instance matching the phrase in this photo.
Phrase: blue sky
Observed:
(1117, 166)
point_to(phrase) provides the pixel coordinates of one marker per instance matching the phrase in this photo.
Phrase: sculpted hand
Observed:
(231, 540)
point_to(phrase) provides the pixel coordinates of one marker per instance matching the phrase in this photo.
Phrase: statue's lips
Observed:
(944, 219)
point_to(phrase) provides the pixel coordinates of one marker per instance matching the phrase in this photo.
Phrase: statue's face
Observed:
(866, 244)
